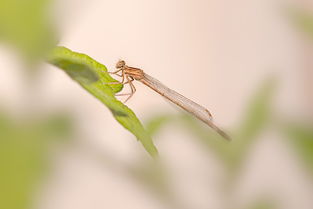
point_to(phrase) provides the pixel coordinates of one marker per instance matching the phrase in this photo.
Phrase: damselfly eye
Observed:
(120, 64)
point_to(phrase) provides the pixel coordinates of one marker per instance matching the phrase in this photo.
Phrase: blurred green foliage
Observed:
(153, 176)
(303, 20)
(299, 132)
(26, 26)
(24, 154)
(263, 203)
(259, 117)
(94, 77)
(232, 155)
(300, 136)
(25, 142)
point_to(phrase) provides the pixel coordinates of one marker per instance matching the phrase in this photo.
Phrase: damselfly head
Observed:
(120, 64)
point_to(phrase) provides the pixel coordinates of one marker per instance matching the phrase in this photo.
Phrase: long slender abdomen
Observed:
(185, 103)
(188, 105)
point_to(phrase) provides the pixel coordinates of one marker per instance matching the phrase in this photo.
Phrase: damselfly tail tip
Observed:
(224, 135)
(220, 132)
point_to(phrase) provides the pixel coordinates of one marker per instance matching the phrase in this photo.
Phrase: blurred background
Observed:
(250, 62)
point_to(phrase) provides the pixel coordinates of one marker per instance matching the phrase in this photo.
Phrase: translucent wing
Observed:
(190, 106)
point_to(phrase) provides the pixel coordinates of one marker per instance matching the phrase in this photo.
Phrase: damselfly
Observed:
(129, 74)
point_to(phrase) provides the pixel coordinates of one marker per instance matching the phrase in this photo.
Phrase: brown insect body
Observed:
(131, 74)
(134, 73)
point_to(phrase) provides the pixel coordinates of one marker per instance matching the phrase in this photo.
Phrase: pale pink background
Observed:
(216, 52)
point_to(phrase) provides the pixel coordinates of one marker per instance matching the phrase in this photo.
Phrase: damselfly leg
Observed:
(132, 88)
(129, 80)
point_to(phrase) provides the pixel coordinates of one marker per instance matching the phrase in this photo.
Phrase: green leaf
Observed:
(24, 151)
(258, 111)
(203, 134)
(154, 124)
(153, 176)
(257, 118)
(26, 26)
(303, 20)
(264, 203)
(94, 77)
(300, 136)
(206, 136)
